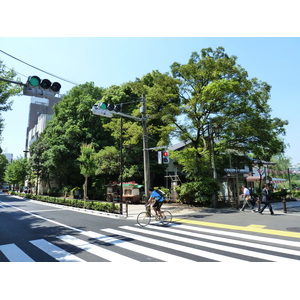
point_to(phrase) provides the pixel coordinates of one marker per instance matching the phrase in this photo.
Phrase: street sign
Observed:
(159, 157)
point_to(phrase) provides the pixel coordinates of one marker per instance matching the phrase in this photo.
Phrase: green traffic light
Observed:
(34, 81)
(102, 105)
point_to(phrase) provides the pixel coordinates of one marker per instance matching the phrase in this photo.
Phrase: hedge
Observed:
(92, 205)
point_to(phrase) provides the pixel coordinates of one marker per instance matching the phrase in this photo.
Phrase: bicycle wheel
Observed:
(143, 219)
(167, 217)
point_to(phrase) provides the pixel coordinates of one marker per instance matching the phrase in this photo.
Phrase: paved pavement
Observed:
(283, 224)
(178, 209)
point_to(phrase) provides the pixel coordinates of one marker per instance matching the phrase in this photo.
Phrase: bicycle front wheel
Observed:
(167, 217)
(143, 219)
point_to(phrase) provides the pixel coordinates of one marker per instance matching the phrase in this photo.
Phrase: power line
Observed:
(72, 82)
(15, 71)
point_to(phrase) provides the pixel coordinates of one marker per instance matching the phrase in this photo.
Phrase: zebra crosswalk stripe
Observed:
(96, 250)
(14, 254)
(242, 235)
(137, 248)
(56, 252)
(155, 242)
(197, 252)
(240, 251)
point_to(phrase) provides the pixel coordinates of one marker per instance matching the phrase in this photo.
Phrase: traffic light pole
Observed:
(104, 112)
(12, 81)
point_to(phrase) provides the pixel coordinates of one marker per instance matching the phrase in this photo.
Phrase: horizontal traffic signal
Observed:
(42, 88)
(107, 110)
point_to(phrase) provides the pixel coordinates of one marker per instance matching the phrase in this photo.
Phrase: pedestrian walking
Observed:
(266, 199)
(247, 198)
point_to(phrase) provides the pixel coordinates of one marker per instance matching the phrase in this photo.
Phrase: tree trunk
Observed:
(85, 188)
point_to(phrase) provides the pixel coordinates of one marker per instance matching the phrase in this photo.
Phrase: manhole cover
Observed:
(295, 229)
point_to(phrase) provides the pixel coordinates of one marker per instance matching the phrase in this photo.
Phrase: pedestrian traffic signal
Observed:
(41, 88)
(166, 158)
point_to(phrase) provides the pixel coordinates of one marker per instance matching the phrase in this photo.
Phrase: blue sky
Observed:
(109, 61)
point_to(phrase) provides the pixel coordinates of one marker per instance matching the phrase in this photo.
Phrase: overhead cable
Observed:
(72, 82)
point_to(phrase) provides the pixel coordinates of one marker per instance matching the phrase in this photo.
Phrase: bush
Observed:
(197, 192)
(296, 194)
(93, 205)
(278, 195)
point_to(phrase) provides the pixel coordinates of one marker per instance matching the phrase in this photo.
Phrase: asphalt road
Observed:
(32, 231)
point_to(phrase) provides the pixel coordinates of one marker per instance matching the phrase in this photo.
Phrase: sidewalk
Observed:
(178, 209)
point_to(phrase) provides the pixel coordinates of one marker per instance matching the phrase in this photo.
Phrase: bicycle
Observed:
(144, 218)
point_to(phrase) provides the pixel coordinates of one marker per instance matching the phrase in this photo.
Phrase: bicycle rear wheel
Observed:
(167, 217)
(143, 218)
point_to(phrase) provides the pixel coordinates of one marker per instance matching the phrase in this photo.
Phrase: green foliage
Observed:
(72, 125)
(3, 165)
(87, 164)
(296, 194)
(16, 172)
(108, 161)
(7, 90)
(87, 160)
(197, 192)
(93, 205)
(213, 86)
(279, 195)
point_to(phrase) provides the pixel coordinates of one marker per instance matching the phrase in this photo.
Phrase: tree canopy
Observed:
(213, 86)
(211, 90)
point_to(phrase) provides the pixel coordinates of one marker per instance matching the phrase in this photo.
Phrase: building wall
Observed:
(38, 107)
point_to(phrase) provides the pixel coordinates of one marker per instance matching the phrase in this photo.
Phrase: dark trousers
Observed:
(269, 206)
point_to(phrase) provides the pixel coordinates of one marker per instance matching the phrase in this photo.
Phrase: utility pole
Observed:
(121, 164)
(145, 148)
(104, 110)
(212, 160)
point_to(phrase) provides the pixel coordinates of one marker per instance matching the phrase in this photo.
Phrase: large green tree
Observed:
(162, 103)
(87, 165)
(215, 89)
(3, 165)
(216, 92)
(72, 125)
(16, 172)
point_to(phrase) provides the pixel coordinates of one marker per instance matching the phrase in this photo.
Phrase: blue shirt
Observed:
(157, 196)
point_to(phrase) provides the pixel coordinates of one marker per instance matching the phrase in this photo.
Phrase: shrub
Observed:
(197, 192)
(278, 195)
(93, 205)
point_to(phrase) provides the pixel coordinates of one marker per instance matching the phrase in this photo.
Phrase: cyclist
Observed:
(156, 196)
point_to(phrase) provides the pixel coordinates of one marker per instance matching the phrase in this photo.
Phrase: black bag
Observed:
(161, 193)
